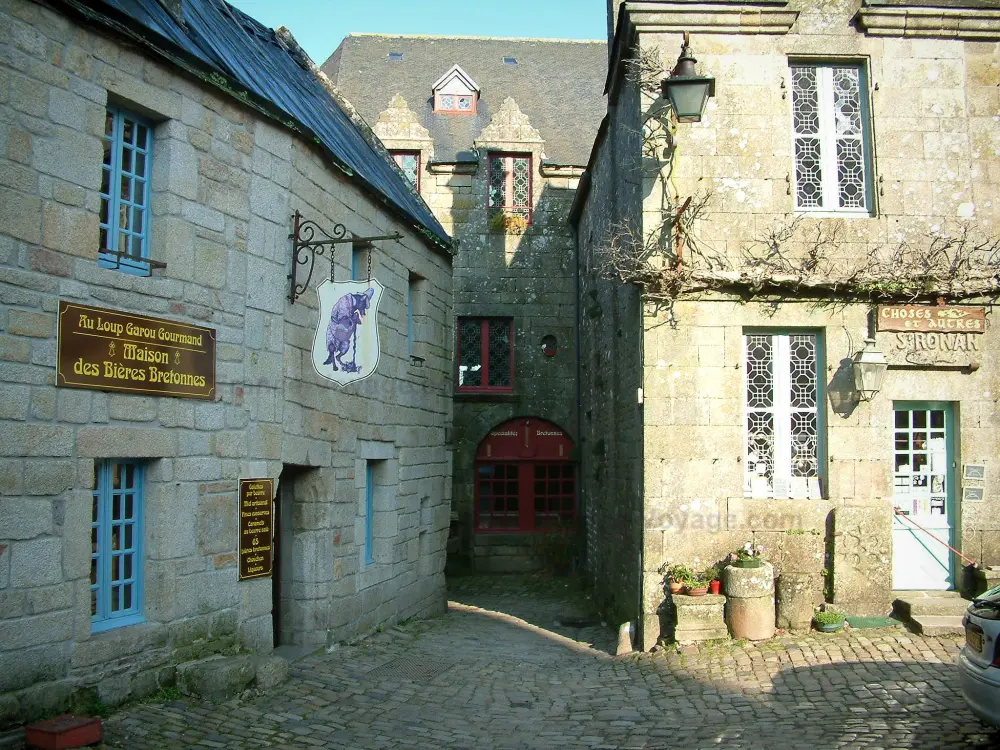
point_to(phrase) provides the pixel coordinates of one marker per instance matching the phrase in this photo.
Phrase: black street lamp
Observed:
(687, 91)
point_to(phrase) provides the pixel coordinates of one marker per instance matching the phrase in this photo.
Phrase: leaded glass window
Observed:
(485, 354)
(510, 185)
(409, 162)
(116, 545)
(782, 395)
(124, 218)
(832, 164)
(461, 103)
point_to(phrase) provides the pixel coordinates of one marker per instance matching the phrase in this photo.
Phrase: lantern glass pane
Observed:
(688, 99)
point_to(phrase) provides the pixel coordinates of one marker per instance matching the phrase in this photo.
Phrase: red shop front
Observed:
(525, 478)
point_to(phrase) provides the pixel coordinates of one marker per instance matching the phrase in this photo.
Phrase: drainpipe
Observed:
(575, 231)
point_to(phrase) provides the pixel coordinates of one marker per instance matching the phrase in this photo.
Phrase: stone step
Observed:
(938, 625)
(907, 607)
(687, 637)
(926, 594)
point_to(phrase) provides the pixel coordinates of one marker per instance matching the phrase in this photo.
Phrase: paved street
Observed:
(498, 672)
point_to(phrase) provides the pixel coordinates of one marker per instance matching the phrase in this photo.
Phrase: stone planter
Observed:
(750, 601)
(797, 594)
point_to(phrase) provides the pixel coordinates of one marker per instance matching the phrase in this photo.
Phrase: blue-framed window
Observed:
(409, 316)
(125, 214)
(116, 545)
(369, 512)
(359, 267)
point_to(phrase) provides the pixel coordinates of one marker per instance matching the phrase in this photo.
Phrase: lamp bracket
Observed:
(305, 248)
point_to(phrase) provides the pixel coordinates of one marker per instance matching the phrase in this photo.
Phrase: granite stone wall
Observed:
(611, 341)
(528, 277)
(225, 182)
(932, 101)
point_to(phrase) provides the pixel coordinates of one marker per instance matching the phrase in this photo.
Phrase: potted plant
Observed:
(697, 585)
(829, 621)
(747, 556)
(677, 576)
(711, 575)
(505, 223)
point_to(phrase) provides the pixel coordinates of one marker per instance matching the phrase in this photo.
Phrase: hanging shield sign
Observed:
(346, 346)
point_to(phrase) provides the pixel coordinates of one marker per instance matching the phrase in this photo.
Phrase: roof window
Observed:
(455, 92)
(395, 57)
(510, 60)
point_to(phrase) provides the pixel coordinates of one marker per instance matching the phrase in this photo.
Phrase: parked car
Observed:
(979, 660)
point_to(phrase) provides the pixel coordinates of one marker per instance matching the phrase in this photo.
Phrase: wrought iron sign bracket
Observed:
(305, 248)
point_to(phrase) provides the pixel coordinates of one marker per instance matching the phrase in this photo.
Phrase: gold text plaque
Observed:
(256, 528)
(932, 318)
(110, 350)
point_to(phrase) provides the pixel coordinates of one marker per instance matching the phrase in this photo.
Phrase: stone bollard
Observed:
(750, 601)
(796, 594)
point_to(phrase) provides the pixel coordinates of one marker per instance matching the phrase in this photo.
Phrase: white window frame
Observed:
(782, 485)
(827, 135)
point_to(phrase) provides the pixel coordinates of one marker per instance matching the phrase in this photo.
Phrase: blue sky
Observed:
(319, 25)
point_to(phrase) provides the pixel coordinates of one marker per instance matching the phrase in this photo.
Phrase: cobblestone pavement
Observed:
(517, 664)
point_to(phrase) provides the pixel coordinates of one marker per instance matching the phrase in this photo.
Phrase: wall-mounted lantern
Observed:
(869, 366)
(687, 91)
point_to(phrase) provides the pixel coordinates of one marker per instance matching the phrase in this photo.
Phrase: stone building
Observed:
(848, 162)
(153, 155)
(494, 134)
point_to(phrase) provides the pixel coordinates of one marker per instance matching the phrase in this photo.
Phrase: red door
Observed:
(525, 480)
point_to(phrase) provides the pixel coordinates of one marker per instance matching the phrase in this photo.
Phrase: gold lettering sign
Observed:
(932, 319)
(256, 528)
(114, 351)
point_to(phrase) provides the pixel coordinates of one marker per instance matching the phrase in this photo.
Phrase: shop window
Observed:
(116, 545)
(125, 214)
(524, 479)
(409, 162)
(783, 416)
(831, 125)
(510, 185)
(485, 354)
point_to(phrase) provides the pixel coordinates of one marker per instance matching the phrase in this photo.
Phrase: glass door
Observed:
(923, 496)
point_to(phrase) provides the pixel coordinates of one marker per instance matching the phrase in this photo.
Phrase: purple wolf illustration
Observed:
(345, 318)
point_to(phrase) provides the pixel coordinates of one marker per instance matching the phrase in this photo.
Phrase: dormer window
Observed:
(456, 93)
(452, 103)
(395, 57)
(510, 60)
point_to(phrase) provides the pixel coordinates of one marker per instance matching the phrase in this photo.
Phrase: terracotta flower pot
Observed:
(713, 587)
(676, 587)
(697, 590)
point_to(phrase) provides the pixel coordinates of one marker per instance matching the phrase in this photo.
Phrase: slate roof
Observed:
(229, 49)
(558, 84)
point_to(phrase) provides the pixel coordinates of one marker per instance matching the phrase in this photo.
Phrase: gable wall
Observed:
(528, 277)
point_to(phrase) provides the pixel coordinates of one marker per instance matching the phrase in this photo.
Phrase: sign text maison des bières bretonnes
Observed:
(110, 350)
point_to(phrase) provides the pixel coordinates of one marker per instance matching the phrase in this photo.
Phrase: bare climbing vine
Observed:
(794, 257)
